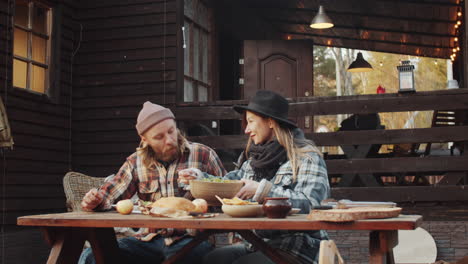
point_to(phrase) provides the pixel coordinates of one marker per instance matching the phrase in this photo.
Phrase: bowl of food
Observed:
(208, 189)
(246, 210)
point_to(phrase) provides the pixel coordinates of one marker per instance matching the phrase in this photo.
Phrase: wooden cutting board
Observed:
(352, 214)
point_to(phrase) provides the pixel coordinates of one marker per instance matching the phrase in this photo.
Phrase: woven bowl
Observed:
(207, 190)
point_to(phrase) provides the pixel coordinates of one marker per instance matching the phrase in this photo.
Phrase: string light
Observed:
(456, 46)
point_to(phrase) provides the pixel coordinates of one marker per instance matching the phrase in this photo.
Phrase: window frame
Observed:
(29, 60)
(198, 81)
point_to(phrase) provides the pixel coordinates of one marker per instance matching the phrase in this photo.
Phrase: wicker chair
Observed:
(76, 185)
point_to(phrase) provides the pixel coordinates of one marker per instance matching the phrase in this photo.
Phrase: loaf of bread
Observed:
(178, 203)
(352, 214)
(168, 212)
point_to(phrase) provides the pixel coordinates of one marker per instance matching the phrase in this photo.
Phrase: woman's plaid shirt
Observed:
(309, 189)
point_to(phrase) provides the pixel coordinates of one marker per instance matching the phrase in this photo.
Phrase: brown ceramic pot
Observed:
(276, 207)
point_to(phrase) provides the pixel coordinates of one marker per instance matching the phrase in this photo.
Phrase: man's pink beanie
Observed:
(150, 115)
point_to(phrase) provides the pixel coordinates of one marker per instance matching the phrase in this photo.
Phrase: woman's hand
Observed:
(92, 199)
(249, 189)
(189, 174)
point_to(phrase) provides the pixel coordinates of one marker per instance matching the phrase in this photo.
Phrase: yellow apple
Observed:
(201, 206)
(124, 206)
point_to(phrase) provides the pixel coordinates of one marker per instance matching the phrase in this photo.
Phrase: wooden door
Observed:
(283, 66)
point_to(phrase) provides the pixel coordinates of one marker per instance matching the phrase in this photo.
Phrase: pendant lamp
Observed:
(360, 65)
(321, 20)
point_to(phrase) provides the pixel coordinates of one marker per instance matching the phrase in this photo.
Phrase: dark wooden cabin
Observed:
(199, 57)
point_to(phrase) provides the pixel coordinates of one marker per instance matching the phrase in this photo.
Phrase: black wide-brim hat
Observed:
(268, 104)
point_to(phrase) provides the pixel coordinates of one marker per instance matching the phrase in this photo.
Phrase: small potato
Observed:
(124, 206)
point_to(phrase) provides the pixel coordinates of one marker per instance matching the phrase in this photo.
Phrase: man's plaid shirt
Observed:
(158, 181)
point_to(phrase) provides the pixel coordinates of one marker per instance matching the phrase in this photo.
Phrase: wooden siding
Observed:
(32, 172)
(127, 56)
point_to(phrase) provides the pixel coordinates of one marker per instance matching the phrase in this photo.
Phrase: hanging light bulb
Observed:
(360, 65)
(321, 20)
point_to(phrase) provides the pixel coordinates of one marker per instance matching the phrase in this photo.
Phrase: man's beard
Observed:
(169, 155)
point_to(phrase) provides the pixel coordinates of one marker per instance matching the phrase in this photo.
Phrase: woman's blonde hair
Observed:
(149, 157)
(295, 147)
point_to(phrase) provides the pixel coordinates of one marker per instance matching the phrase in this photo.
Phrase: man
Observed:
(151, 172)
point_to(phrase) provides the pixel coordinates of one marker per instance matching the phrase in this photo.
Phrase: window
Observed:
(32, 45)
(197, 51)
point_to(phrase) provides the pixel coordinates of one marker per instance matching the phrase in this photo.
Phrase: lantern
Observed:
(406, 77)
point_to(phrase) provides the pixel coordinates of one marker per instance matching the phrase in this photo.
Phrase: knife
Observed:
(322, 207)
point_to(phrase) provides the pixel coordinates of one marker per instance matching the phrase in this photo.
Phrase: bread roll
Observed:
(178, 203)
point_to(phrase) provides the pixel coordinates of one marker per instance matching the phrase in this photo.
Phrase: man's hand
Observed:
(189, 174)
(249, 189)
(91, 200)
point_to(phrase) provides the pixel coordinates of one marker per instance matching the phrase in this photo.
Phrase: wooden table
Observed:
(66, 232)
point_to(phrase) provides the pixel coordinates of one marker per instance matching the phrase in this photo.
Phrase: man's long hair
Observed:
(149, 157)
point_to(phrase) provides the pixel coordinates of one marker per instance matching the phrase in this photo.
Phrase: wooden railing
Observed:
(453, 168)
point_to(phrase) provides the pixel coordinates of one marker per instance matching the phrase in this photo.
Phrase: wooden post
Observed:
(464, 50)
(381, 244)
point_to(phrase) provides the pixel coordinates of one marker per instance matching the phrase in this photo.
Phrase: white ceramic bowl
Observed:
(248, 210)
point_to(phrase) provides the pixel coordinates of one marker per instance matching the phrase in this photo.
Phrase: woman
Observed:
(277, 162)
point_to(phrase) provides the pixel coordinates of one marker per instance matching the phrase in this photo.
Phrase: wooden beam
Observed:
(354, 14)
(380, 47)
(277, 20)
(454, 99)
(420, 101)
(402, 193)
(368, 40)
(391, 165)
(394, 136)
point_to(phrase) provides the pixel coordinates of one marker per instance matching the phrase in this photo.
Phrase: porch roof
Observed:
(413, 27)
